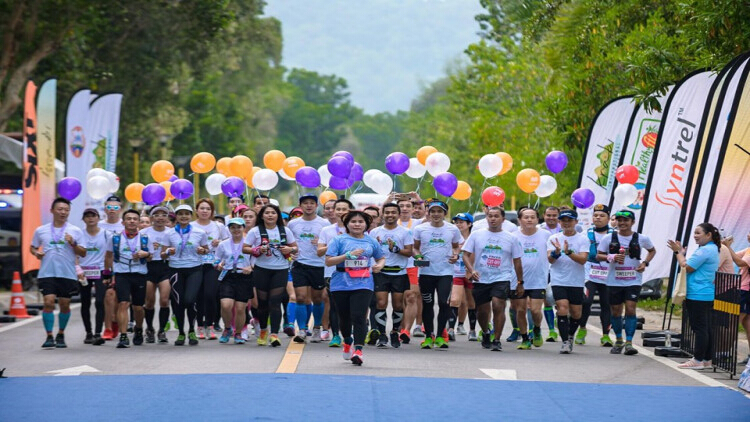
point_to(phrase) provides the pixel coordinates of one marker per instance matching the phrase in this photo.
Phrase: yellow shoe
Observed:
(263, 339)
(275, 342)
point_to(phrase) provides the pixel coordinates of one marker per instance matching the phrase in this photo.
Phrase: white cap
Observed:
(183, 207)
(273, 202)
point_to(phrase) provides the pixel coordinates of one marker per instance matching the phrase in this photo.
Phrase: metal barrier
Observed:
(724, 323)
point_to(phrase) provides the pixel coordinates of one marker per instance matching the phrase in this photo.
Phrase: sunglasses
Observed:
(112, 207)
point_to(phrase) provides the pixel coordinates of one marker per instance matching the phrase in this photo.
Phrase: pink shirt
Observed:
(745, 284)
(725, 261)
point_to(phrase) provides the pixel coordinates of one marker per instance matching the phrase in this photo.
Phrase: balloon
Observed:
(627, 174)
(369, 174)
(307, 177)
(114, 182)
(416, 169)
(437, 163)
(173, 178)
(284, 175)
(547, 186)
(133, 192)
(527, 180)
(382, 184)
(240, 166)
(490, 165)
(274, 160)
(69, 188)
(425, 152)
(493, 196)
(153, 193)
(463, 191)
(162, 170)
(202, 162)
(223, 166)
(397, 162)
(167, 185)
(346, 154)
(340, 167)
(96, 172)
(181, 189)
(249, 179)
(507, 162)
(213, 183)
(357, 172)
(233, 187)
(325, 175)
(445, 184)
(291, 165)
(98, 187)
(265, 179)
(583, 198)
(626, 194)
(338, 183)
(327, 196)
(556, 161)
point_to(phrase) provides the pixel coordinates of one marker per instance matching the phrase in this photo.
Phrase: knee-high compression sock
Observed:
(308, 309)
(564, 327)
(291, 312)
(64, 317)
(49, 321)
(631, 322)
(150, 318)
(574, 326)
(549, 316)
(381, 317)
(617, 326)
(163, 318)
(473, 319)
(397, 316)
(513, 320)
(301, 316)
(454, 316)
(317, 311)
(530, 319)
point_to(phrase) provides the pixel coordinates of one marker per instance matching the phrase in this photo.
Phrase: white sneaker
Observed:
(566, 347)
(473, 335)
(256, 327)
(325, 335)
(245, 334)
(460, 330)
(417, 331)
(316, 338)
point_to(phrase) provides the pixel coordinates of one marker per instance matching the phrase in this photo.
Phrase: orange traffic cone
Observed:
(17, 300)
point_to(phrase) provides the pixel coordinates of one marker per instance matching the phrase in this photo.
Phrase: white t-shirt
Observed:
(436, 244)
(597, 272)
(156, 237)
(410, 225)
(564, 271)
(625, 274)
(214, 230)
(535, 264)
(112, 228)
(326, 237)
(401, 237)
(231, 255)
(306, 232)
(96, 248)
(127, 247)
(186, 245)
(459, 268)
(274, 259)
(508, 226)
(555, 230)
(59, 259)
(494, 253)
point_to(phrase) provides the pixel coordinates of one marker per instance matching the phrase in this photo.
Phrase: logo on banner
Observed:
(674, 194)
(78, 141)
(608, 157)
(100, 154)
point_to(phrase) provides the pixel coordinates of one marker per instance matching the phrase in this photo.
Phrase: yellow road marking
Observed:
(291, 358)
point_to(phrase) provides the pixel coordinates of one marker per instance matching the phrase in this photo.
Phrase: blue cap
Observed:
(465, 216)
(284, 216)
(568, 214)
(308, 196)
(238, 221)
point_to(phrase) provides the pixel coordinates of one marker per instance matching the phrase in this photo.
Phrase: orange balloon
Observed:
(291, 165)
(507, 162)
(202, 162)
(463, 191)
(133, 193)
(166, 185)
(425, 152)
(223, 166)
(249, 179)
(162, 170)
(240, 166)
(528, 180)
(327, 196)
(274, 160)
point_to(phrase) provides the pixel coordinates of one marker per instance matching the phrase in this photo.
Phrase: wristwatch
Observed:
(520, 282)
(568, 252)
(646, 262)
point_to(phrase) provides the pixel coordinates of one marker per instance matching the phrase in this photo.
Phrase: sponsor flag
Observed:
(30, 216)
(77, 149)
(45, 138)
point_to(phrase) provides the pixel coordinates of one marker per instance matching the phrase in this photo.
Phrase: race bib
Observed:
(493, 262)
(355, 263)
(625, 274)
(357, 268)
(92, 273)
(599, 272)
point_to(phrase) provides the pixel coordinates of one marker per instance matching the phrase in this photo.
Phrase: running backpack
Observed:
(265, 240)
(593, 244)
(116, 246)
(633, 250)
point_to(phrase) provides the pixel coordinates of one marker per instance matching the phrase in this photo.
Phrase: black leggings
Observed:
(605, 317)
(699, 312)
(427, 286)
(270, 286)
(185, 282)
(333, 315)
(85, 292)
(208, 296)
(352, 307)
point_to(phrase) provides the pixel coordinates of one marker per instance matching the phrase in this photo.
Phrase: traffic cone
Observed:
(17, 300)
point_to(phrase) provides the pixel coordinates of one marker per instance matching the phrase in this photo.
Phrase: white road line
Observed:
(500, 374)
(73, 371)
(27, 321)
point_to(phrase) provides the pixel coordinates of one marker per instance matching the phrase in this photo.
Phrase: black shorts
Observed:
(304, 275)
(158, 271)
(391, 283)
(61, 287)
(484, 292)
(619, 294)
(574, 295)
(236, 286)
(266, 279)
(131, 287)
(532, 293)
(745, 302)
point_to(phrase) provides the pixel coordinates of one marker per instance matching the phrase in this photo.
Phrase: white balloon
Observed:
(369, 175)
(96, 172)
(265, 179)
(382, 184)
(490, 165)
(547, 186)
(416, 169)
(273, 201)
(98, 187)
(325, 175)
(626, 194)
(437, 163)
(114, 182)
(213, 183)
(284, 176)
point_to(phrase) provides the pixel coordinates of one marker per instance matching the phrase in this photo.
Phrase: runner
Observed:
(622, 249)
(373, 334)
(112, 224)
(235, 202)
(95, 240)
(418, 209)
(56, 245)
(461, 293)
(413, 303)
(352, 284)
(551, 220)
(112, 209)
(158, 275)
(436, 248)
(144, 222)
(597, 277)
(374, 213)
(329, 213)
(235, 283)
(259, 201)
(251, 218)
(396, 245)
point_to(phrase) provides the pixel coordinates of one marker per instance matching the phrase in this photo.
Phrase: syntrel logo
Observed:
(675, 189)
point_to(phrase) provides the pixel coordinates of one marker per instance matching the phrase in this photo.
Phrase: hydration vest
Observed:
(593, 243)
(265, 240)
(633, 250)
(116, 246)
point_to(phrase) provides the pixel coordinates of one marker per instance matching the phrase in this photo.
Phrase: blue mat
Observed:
(318, 397)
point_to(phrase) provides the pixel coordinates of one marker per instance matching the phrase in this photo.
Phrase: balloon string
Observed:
(419, 183)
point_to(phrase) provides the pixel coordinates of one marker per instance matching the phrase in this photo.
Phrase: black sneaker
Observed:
(395, 341)
(180, 340)
(60, 341)
(150, 336)
(124, 343)
(162, 336)
(496, 346)
(98, 340)
(627, 350)
(382, 341)
(486, 341)
(49, 343)
(372, 337)
(404, 337)
(192, 338)
(138, 336)
(89, 339)
(617, 348)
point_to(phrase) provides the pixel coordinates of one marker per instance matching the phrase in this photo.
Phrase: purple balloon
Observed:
(233, 187)
(445, 184)
(397, 163)
(340, 167)
(181, 189)
(172, 179)
(153, 194)
(357, 172)
(346, 154)
(583, 198)
(338, 183)
(308, 177)
(556, 161)
(69, 188)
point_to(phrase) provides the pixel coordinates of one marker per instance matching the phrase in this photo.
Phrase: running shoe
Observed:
(238, 339)
(486, 342)
(162, 336)
(514, 336)
(124, 343)
(168, 325)
(605, 341)
(256, 326)
(217, 327)
(691, 364)
(473, 335)
(201, 334)
(496, 346)
(245, 333)
(460, 330)
(382, 341)
(108, 334)
(617, 348)
(211, 333)
(138, 336)
(451, 335)
(347, 351)
(427, 343)
(60, 341)
(180, 340)
(325, 335)
(192, 338)
(89, 339)
(525, 345)
(404, 336)
(316, 338)
(263, 338)
(49, 343)
(131, 326)
(395, 341)
(274, 340)
(418, 332)
(581, 336)
(225, 336)
(372, 337)
(289, 330)
(440, 343)
(357, 358)
(629, 349)
(98, 340)
(538, 340)
(335, 341)
(150, 335)
(301, 337)
(552, 337)
(566, 348)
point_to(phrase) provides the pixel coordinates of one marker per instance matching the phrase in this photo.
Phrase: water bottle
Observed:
(622, 251)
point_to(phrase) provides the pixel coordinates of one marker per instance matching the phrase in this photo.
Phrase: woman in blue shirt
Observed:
(701, 269)
(352, 284)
